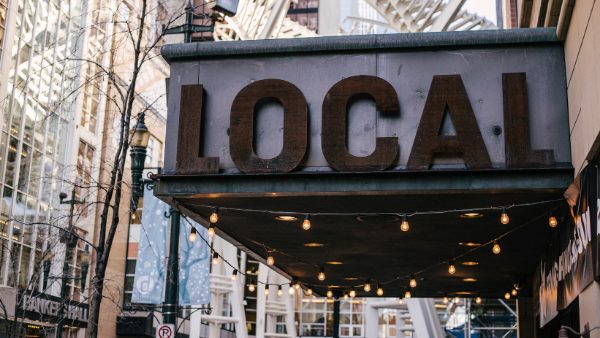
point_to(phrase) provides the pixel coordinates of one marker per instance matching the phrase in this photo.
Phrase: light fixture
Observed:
(400, 301)
(286, 218)
(306, 223)
(470, 263)
(379, 290)
(451, 268)
(504, 219)
(413, 281)
(514, 292)
(496, 249)
(334, 263)
(367, 286)
(507, 295)
(552, 221)
(404, 226)
(352, 293)
(251, 287)
(313, 245)
(351, 278)
(407, 294)
(456, 300)
(345, 296)
(329, 293)
(321, 275)
(470, 280)
(270, 259)
(471, 215)
(309, 291)
(478, 300)
(214, 216)
(193, 235)
(280, 291)
(297, 285)
(445, 299)
(266, 289)
(469, 244)
(211, 230)
(215, 258)
(291, 290)
(234, 274)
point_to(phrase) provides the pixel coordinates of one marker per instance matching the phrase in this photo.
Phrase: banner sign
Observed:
(44, 307)
(568, 267)
(194, 265)
(150, 268)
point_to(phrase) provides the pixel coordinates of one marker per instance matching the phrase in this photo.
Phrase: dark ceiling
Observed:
(373, 247)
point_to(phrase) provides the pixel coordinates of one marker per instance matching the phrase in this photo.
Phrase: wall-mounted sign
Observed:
(43, 307)
(352, 112)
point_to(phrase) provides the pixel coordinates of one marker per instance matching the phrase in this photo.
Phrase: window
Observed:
(154, 153)
(2, 22)
(85, 157)
(351, 318)
(306, 13)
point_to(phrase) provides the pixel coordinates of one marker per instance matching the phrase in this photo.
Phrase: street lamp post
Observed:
(70, 240)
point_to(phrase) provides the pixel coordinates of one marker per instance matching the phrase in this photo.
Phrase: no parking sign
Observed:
(165, 331)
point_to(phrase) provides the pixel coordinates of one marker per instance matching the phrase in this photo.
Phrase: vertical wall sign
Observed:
(295, 127)
(335, 111)
(447, 94)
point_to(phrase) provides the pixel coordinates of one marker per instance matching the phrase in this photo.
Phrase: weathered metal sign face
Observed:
(479, 108)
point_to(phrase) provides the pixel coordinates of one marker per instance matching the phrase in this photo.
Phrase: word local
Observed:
(447, 94)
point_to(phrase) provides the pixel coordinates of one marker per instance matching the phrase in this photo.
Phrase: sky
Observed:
(486, 8)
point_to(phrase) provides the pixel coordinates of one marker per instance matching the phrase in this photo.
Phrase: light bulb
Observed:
(400, 301)
(445, 300)
(456, 300)
(504, 219)
(291, 290)
(321, 275)
(345, 295)
(251, 287)
(478, 300)
(496, 249)
(379, 290)
(306, 223)
(267, 290)
(352, 293)
(367, 287)
(514, 292)
(329, 293)
(234, 274)
(552, 221)
(214, 217)
(309, 291)
(211, 230)
(451, 268)
(507, 296)
(270, 260)
(297, 285)
(280, 291)
(193, 235)
(404, 226)
(413, 282)
(215, 258)
(407, 294)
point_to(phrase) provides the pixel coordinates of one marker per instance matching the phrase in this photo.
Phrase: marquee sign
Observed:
(44, 307)
(480, 108)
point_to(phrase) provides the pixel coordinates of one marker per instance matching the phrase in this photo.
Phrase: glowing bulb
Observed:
(404, 226)
(251, 287)
(297, 286)
(445, 300)
(211, 230)
(214, 217)
(279, 291)
(193, 235)
(407, 294)
(329, 294)
(309, 291)
(345, 295)
(496, 248)
(321, 275)
(267, 290)
(478, 300)
(451, 268)
(514, 292)
(504, 219)
(552, 221)
(352, 293)
(456, 300)
(379, 290)
(234, 274)
(215, 258)
(507, 296)
(413, 282)
(291, 290)
(306, 223)
(367, 286)
(400, 301)
(270, 260)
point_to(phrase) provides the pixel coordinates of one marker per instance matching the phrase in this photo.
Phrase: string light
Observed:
(451, 268)
(214, 217)
(367, 286)
(291, 290)
(496, 249)
(270, 259)
(507, 295)
(211, 230)
(234, 274)
(306, 223)
(456, 300)
(193, 235)
(478, 300)
(413, 281)
(345, 296)
(379, 290)
(266, 289)
(407, 294)
(309, 291)
(297, 285)
(352, 293)
(400, 301)
(321, 275)
(404, 226)
(445, 299)
(280, 291)
(514, 292)
(504, 219)
(215, 258)
(552, 221)
(329, 293)
(251, 287)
